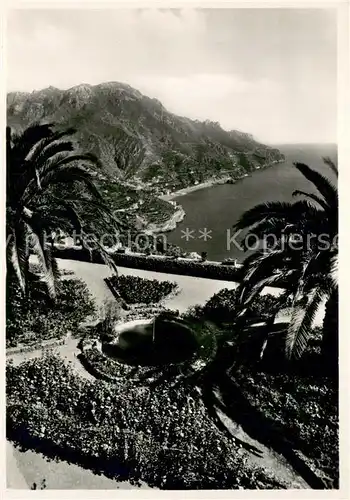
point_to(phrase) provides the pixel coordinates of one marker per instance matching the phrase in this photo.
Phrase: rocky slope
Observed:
(140, 143)
(135, 136)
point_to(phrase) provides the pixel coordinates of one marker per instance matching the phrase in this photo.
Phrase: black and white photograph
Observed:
(172, 248)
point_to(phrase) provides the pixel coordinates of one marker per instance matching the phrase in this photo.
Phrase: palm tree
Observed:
(307, 270)
(42, 170)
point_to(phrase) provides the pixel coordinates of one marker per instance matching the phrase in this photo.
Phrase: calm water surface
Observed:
(218, 208)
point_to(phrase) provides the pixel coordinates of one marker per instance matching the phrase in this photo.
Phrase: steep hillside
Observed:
(141, 144)
(135, 136)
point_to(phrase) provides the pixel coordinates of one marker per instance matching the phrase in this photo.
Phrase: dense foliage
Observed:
(288, 405)
(135, 290)
(159, 435)
(36, 319)
(303, 409)
(222, 307)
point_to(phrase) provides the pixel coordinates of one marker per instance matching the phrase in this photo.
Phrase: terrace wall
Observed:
(160, 263)
(157, 263)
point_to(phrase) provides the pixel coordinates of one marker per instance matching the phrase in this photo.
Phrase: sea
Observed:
(212, 212)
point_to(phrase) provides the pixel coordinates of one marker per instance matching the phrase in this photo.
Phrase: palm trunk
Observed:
(268, 325)
(154, 330)
(330, 348)
(270, 321)
(27, 291)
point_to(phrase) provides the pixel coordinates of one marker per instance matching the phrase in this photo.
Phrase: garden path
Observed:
(192, 290)
(27, 467)
(68, 351)
(266, 456)
(14, 476)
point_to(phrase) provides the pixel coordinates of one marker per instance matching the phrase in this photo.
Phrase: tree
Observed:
(307, 271)
(40, 161)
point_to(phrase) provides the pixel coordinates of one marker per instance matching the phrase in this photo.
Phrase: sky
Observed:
(268, 72)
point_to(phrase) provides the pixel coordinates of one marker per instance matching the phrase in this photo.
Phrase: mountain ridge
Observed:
(112, 112)
(146, 151)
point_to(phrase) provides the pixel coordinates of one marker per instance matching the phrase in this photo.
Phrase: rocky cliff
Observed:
(146, 151)
(136, 137)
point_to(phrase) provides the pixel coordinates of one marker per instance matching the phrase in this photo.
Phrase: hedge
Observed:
(46, 344)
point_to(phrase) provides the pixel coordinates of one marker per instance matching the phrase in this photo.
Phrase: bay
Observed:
(217, 208)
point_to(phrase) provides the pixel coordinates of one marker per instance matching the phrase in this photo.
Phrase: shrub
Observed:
(222, 307)
(158, 435)
(110, 313)
(135, 290)
(36, 269)
(36, 318)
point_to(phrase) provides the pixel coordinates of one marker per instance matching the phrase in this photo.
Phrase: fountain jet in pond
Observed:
(162, 340)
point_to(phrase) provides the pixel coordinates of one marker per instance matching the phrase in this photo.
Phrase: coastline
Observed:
(214, 182)
(180, 213)
(197, 187)
(169, 225)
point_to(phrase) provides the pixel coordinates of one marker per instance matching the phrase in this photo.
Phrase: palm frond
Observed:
(248, 293)
(102, 209)
(90, 158)
(313, 197)
(323, 185)
(53, 138)
(37, 244)
(63, 175)
(280, 212)
(334, 270)
(67, 211)
(51, 150)
(49, 218)
(66, 176)
(331, 165)
(51, 263)
(300, 326)
(262, 264)
(106, 257)
(261, 212)
(24, 142)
